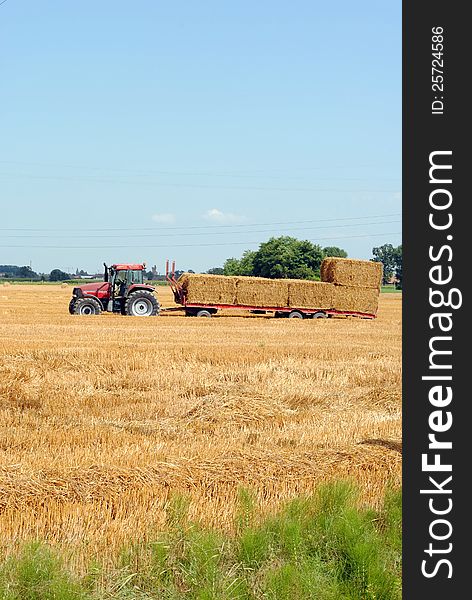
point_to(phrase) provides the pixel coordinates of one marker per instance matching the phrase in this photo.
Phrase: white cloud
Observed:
(218, 216)
(165, 218)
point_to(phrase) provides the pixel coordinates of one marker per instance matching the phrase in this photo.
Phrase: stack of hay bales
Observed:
(208, 289)
(356, 283)
(347, 286)
(303, 293)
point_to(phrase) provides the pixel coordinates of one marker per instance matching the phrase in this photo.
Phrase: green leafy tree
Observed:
(287, 257)
(391, 257)
(399, 265)
(334, 251)
(58, 275)
(231, 266)
(27, 273)
(242, 266)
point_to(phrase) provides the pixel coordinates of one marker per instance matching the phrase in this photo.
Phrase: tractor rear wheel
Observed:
(141, 304)
(87, 306)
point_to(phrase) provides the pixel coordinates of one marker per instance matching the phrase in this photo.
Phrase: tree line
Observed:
(26, 272)
(278, 258)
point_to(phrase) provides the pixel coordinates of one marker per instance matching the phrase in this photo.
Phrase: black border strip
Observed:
(425, 132)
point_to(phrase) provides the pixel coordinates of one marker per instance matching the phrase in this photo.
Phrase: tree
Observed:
(12, 271)
(231, 266)
(243, 266)
(287, 257)
(391, 258)
(58, 275)
(334, 251)
(399, 265)
(216, 271)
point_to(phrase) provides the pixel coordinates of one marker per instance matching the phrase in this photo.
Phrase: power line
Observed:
(121, 236)
(82, 247)
(197, 186)
(236, 174)
(175, 228)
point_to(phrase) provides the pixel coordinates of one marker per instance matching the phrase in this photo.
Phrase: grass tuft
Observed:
(323, 547)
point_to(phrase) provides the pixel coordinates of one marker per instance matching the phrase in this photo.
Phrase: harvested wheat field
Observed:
(103, 418)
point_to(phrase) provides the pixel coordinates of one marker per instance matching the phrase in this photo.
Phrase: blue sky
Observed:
(149, 130)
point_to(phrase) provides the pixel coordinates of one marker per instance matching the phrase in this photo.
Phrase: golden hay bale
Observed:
(208, 289)
(310, 294)
(261, 292)
(7, 284)
(324, 269)
(346, 271)
(356, 299)
(64, 285)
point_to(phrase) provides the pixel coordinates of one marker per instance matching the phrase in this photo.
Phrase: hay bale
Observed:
(310, 294)
(64, 285)
(7, 284)
(324, 270)
(262, 292)
(346, 271)
(208, 289)
(356, 299)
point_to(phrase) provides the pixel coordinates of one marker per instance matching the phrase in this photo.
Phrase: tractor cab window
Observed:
(119, 282)
(124, 278)
(135, 277)
(120, 277)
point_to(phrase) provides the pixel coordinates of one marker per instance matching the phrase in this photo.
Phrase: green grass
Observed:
(322, 547)
(389, 289)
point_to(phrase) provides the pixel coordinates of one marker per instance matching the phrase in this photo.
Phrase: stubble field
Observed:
(104, 418)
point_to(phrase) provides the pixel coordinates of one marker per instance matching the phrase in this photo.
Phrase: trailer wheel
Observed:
(295, 314)
(320, 315)
(204, 313)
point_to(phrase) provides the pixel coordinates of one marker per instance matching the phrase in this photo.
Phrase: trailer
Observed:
(200, 309)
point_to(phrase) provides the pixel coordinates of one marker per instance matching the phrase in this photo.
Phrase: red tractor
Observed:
(122, 291)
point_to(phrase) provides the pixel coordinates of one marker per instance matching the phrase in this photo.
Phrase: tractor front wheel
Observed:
(87, 306)
(141, 304)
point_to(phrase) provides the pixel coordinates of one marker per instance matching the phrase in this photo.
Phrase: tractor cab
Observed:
(122, 291)
(122, 277)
